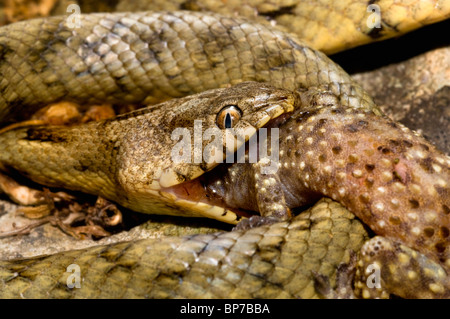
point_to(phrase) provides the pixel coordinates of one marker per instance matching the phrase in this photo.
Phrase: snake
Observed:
(180, 53)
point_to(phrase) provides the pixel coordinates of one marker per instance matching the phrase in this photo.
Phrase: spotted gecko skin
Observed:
(390, 177)
(388, 267)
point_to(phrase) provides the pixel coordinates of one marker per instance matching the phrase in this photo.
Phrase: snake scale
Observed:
(224, 265)
(147, 57)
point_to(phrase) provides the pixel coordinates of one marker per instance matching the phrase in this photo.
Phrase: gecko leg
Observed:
(269, 197)
(387, 267)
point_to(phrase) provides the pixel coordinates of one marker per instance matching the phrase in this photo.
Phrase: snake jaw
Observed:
(192, 194)
(193, 197)
(212, 211)
(170, 177)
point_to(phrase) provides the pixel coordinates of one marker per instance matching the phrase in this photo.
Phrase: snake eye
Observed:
(228, 116)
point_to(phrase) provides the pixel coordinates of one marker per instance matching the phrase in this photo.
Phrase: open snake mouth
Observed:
(195, 196)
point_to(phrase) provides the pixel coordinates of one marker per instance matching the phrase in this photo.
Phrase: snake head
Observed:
(187, 137)
(211, 127)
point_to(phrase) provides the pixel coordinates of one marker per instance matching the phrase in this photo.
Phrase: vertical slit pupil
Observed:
(228, 121)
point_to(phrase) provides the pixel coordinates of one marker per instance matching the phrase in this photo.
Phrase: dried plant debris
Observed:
(18, 10)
